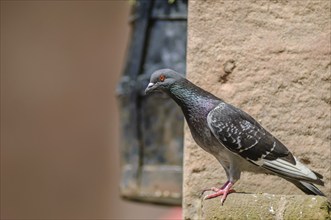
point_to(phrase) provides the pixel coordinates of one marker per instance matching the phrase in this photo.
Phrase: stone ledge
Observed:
(266, 206)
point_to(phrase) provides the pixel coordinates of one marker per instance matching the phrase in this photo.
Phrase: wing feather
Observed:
(241, 134)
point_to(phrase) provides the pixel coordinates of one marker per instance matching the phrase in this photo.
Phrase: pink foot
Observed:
(215, 189)
(223, 191)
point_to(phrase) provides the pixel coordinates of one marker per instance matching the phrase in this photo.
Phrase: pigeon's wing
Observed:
(241, 134)
(244, 136)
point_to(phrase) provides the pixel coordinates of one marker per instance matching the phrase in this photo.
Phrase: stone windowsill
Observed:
(266, 206)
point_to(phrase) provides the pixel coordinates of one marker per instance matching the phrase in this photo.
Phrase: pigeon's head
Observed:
(162, 79)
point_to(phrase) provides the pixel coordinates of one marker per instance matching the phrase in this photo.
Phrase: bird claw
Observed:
(220, 192)
(214, 189)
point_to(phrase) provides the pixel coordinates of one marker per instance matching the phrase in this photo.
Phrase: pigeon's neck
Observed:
(191, 98)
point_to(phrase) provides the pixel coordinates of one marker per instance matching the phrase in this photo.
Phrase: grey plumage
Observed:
(236, 139)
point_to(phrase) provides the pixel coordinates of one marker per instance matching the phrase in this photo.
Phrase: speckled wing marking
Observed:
(241, 134)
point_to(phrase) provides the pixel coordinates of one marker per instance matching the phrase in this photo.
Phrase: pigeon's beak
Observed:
(149, 88)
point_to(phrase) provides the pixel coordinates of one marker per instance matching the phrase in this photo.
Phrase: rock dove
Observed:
(235, 138)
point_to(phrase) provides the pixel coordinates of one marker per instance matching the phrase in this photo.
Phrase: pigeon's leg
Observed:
(224, 191)
(215, 189)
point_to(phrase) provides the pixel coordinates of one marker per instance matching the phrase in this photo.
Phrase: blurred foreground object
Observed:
(152, 134)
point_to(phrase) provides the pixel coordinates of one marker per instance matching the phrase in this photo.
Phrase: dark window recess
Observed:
(152, 126)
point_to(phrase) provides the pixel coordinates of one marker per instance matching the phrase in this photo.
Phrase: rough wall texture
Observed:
(272, 59)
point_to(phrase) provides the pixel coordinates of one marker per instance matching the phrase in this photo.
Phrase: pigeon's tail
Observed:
(307, 188)
(297, 172)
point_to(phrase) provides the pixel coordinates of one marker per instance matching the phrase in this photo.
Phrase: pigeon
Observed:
(232, 136)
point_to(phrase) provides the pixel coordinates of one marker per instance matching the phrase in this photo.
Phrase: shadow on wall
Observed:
(60, 63)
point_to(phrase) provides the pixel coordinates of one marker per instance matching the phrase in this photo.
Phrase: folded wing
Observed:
(243, 135)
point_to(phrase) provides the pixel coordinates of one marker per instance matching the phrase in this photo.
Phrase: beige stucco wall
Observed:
(272, 59)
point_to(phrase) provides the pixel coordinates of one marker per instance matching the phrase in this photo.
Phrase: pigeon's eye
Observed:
(162, 78)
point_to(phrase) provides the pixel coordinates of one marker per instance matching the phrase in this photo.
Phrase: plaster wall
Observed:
(271, 59)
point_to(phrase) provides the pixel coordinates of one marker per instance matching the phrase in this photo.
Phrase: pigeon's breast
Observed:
(202, 135)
